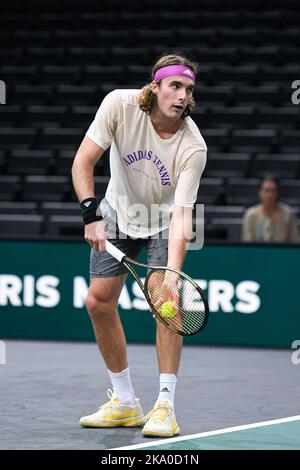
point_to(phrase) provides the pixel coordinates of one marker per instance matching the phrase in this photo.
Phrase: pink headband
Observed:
(172, 70)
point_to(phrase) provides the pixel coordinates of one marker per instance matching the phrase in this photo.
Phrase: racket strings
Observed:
(185, 309)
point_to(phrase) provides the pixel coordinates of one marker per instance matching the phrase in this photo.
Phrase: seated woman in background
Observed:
(270, 221)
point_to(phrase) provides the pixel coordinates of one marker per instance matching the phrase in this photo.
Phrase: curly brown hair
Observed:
(147, 98)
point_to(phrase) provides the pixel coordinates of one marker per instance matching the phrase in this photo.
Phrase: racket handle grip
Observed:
(114, 251)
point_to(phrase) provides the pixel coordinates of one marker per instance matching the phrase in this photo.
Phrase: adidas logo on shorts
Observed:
(165, 390)
(88, 203)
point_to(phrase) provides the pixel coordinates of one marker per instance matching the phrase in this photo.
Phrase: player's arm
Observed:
(180, 233)
(83, 180)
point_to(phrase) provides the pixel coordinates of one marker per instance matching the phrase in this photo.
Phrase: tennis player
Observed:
(157, 157)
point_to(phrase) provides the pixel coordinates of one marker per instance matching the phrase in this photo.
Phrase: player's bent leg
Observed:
(101, 302)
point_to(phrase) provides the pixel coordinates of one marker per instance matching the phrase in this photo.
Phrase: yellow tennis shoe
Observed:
(161, 421)
(114, 414)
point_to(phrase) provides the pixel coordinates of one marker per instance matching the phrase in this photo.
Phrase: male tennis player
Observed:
(157, 157)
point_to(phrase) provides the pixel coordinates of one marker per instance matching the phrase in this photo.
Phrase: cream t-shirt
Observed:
(148, 173)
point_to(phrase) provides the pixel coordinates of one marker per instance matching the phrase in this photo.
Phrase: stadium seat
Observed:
(216, 139)
(281, 166)
(32, 94)
(223, 212)
(64, 225)
(232, 227)
(45, 188)
(66, 138)
(9, 187)
(211, 191)
(14, 224)
(24, 162)
(10, 115)
(290, 191)
(18, 207)
(227, 165)
(75, 94)
(16, 137)
(60, 208)
(290, 141)
(242, 191)
(45, 116)
(257, 140)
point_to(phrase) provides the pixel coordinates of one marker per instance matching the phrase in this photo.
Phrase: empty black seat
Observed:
(76, 94)
(256, 140)
(16, 137)
(26, 162)
(150, 37)
(64, 161)
(96, 74)
(281, 118)
(20, 74)
(114, 37)
(213, 95)
(223, 212)
(260, 55)
(290, 141)
(32, 94)
(101, 183)
(143, 19)
(9, 186)
(19, 224)
(41, 116)
(216, 139)
(210, 191)
(227, 165)
(62, 138)
(67, 38)
(60, 208)
(10, 115)
(10, 56)
(2, 161)
(242, 191)
(65, 225)
(45, 55)
(45, 188)
(283, 74)
(236, 74)
(31, 38)
(259, 95)
(282, 166)
(18, 207)
(54, 74)
(225, 117)
(128, 55)
(81, 116)
(290, 191)
(87, 55)
(232, 226)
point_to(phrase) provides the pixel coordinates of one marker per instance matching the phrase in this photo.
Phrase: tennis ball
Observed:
(167, 309)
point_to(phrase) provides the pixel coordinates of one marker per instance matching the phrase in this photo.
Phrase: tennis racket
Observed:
(173, 297)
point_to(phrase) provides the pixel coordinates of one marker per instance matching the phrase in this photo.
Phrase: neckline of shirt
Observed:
(170, 139)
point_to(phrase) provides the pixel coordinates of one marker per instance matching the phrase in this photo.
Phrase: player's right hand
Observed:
(96, 234)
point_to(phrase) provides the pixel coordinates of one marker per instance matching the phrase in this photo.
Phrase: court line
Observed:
(210, 433)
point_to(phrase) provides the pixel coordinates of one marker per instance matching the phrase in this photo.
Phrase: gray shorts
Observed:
(104, 265)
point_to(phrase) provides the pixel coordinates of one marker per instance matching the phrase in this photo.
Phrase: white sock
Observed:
(167, 385)
(122, 386)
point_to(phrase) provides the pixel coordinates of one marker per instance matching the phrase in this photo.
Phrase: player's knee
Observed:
(97, 306)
